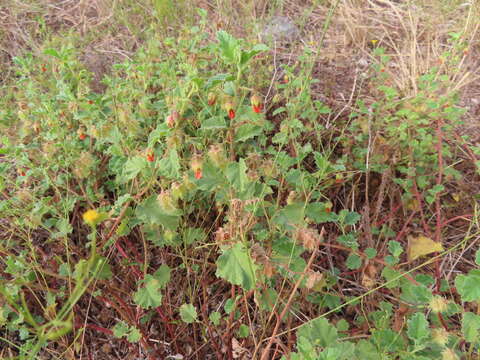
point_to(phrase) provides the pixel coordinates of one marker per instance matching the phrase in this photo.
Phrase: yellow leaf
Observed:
(456, 196)
(421, 246)
(413, 205)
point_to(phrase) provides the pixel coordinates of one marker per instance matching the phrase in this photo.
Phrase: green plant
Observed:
(221, 215)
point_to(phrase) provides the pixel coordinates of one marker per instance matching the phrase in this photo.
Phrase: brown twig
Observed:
(266, 351)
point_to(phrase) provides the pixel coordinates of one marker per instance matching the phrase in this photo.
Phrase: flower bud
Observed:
(212, 98)
(196, 165)
(256, 103)
(150, 155)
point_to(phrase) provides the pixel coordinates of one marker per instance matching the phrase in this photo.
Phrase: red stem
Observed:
(420, 206)
(438, 209)
(459, 217)
(389, 216)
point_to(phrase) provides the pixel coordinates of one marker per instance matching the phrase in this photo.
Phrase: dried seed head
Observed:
(167, 202)
(269, 168)
(292, 196)
(449, 354)
(177, 190)
(84, 165)
(440, 336)
(217, 156)
(314, 278)
(438, 304)
(222, 236)
(309, 238)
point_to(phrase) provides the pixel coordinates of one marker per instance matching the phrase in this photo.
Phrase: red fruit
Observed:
(82, 136)
(198, 174)
(231, 114)
(44, 68)
(150, 157)
(21, 173)
(90, 102)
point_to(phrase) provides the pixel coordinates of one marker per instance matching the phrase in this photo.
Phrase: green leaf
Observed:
(247, 131)
(342, 325)
(266, 298)
(323, 164)
(317, 211)
(134, 336)
(349, 240)
(365, 350)
(228, 46)
(338, 351)
(217, 79)
(211, 178)
(415, 294)
(162, 275)
(468, 286)
(150, 212)
(214, 123)
(192, 235)
(470, 327)
(120, 329)
(64, 228)
(349, 217)
(149, 296)
(292, 214)
(370, 252)
(387, 340)
(237, 175)
(395, 248)
(132, 168)
(102, 268)
(247, 55)
(215, 318)
(243, 331)
(160, 132)
(230, 305)
(236, 266)
(169, 166)
(319, 332)
(418, 329)
(477, 257)
(354, 261)
(188, 313)
(306, 349)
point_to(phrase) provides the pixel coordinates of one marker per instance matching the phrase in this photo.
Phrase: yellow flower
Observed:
(91, 217)
(374, 41)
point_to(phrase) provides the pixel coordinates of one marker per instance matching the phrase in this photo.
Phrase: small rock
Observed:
(280, 28)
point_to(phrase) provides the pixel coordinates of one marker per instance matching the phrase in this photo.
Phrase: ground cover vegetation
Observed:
(179, 183)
